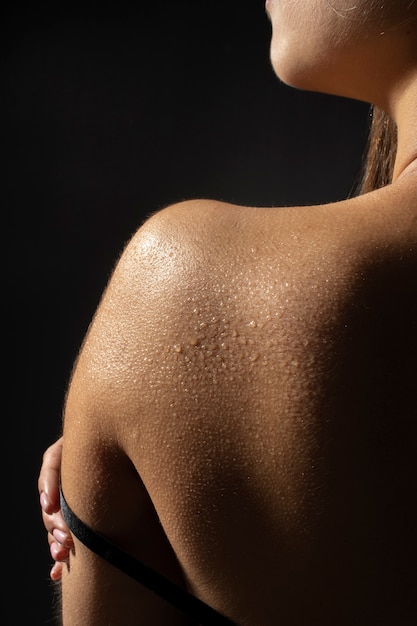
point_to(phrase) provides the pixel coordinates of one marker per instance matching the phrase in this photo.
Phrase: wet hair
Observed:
(381, 150)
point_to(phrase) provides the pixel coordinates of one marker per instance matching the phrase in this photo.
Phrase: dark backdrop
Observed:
(111, 112)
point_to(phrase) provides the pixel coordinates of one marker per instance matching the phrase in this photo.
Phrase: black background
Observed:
(110, 112)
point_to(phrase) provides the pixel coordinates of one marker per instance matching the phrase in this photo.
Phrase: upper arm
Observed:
(109, 403)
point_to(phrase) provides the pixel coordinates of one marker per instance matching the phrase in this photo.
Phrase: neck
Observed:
(404, 111)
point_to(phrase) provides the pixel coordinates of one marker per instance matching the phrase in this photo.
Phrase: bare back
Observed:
(248, 381)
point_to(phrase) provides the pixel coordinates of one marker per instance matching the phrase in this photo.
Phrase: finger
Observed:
(56, 571)
(48, 480)
(57, 528)
(61, 549)
(58, 552)
(61, 537)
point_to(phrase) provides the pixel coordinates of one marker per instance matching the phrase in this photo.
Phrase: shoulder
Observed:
(204, 263)
(198, 253)
(183, 249)
(176, 263)
(205, 230)
(198, 226)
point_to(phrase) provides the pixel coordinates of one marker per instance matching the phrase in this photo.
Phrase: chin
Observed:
(310, 74)
(290, 69)
(297, 75)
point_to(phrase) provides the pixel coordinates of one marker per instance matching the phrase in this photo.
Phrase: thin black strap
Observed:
(164, 588)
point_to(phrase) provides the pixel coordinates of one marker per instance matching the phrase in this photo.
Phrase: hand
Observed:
(59, 536)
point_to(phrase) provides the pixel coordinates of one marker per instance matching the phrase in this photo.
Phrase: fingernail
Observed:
(60, 536)
(44, 500)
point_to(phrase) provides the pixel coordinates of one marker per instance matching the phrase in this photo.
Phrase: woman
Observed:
(248, 432)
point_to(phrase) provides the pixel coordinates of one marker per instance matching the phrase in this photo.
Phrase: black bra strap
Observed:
(164, 588)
